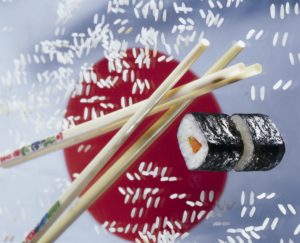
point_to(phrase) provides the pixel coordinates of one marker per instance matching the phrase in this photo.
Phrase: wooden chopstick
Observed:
(122, 164)
(115, 143)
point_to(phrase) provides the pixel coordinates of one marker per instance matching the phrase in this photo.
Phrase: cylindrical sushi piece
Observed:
(209, 142)
(263, 144)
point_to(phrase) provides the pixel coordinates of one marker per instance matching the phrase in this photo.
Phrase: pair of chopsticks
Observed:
(213, 79)
(104, 124)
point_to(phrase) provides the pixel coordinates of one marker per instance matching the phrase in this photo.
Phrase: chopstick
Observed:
(103, 124)
(126, 160)
(114, 144)
(100, 125)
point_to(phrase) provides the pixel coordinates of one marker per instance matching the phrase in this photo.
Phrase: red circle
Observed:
(139, 185)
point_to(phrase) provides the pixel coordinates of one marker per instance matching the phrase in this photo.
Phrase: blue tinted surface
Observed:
(28, 190)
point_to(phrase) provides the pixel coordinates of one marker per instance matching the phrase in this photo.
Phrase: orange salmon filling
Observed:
(196, 146)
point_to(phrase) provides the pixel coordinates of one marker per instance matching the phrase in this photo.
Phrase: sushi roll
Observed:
(263, 144)
(209, 142)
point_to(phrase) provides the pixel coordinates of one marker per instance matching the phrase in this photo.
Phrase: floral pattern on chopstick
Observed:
(26, 150)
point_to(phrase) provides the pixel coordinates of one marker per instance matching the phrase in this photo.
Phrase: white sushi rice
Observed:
(189, 127)
(242, 127)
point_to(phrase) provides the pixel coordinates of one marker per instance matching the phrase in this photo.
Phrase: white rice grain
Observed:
(126, 199)
(231, 231)
(127, 228)
(287, 8)
(273, 11)
(147, 190)
(240, 239)
(275, 38)
(190, 203)
(243, 211)
(292, 209)
(123, 102)
(145, 228)
(253, 92)
(211, 4)
(297, 230)
(129, 176)
(296, 8)
(249, 228)
(129, 190)
(282, 11)
(250, 34)
(211, 196)
(287, 85)
(220, 22)
(265, 223)
(245, 234)
(147, 84)
(184, 216)
(132, 213)
(141, 212)
(261, 196)
(177, 224)
(202, 196)
(85, 113)
(155, 191)
(199, 204)
(255, 235)
(202, 13)
(277, 85)
(87, 148)
(284, 38)
(259, 34)
(141, 166)
(252, 211)
(134, 88)
(184, 235)
(251, 198)
(161, 58)
(156, 203)
(173, 178)
(220, 5)
(95, 19)
(201, 214)
(136, 196)
(282, 209)
(163, 171)
(164, 16)
(271, 195)
(262, 93)
(230, 239)
(134, 228)
(80, 148)
(121, 29)
(129, 30)
(193, 216)
(274, 223)
(149, 202)
(228, 3)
